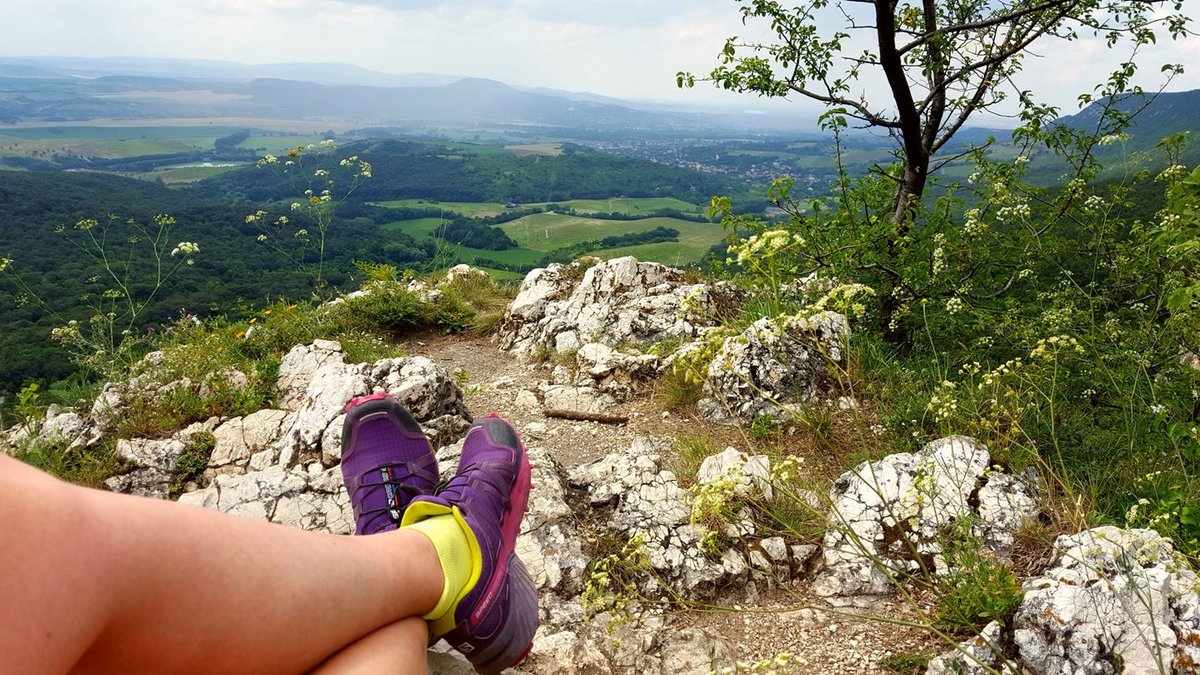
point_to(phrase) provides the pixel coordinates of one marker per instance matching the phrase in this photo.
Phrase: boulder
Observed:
(241, 437)
(311, 498)
(318, 383)
(300, 364)
(1116, 601)
(640, 497)
(617, 302)
(750, 473)
(76, 430)
(890, 518)
(618, 373)
(772, 366)
(579, 399)
(154, 461)
(464, 272)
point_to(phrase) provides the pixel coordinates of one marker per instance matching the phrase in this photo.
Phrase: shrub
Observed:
(977, 590)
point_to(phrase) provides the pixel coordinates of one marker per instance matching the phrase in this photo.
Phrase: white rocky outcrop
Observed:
(890, 518)
(311, 498)
(772, 367)
(616, 302)
(315, 382)
(240, 438)
(1116, 601)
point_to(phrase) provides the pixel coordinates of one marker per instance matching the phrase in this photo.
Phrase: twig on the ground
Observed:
(585, 416)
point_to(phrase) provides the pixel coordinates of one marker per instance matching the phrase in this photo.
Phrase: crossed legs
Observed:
(95, 581)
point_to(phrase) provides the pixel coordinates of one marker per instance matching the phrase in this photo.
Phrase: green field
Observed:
(418, 228)
(469, 209)
(108, 142)
(279, 142)
(551, 149)
(120, 142)
(181, 175)
(548, 231)
(634, 206)
(541, 233)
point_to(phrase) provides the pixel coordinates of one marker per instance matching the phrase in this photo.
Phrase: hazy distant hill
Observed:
(56, 89)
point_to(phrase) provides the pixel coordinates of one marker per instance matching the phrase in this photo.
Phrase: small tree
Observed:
(943, 61)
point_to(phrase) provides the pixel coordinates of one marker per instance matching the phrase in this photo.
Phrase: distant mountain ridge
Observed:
(79, 89)
(1168, 113)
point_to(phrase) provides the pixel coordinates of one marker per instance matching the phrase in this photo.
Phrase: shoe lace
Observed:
(400, 494)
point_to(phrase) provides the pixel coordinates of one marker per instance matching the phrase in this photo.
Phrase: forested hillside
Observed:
(479, 173)
(232, 269)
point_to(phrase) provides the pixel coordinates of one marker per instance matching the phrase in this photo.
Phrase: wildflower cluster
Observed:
(613, 582)
(715, 508)
(1051, 347)
(780, 663)
(322, 194)
(847, 299)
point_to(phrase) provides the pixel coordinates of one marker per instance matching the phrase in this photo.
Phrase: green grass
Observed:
(548, 231)
(472, 209)
(108, 142)
(277, 143)
(420, 228)
(179, 175)
(634, 206)
(541, 233)
(551, 149)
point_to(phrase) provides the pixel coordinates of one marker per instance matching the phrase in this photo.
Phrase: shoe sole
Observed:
(362, 407)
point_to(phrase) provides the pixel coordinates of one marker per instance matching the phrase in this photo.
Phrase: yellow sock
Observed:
(448, 533)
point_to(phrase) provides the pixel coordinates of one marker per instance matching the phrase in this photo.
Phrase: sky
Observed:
(627, 49)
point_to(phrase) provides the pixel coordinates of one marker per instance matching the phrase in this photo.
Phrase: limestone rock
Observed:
(618, 373)
(772, 366)
(241, 437)
(309, 498)
(155, 461)
(889, 517)
(977, 656)
(298, 366)
(580, 399)
(76, 430)
(617, 302)
(1117, 601)
(751, 473)
(425, 388)
(646, 499)
(463, 272)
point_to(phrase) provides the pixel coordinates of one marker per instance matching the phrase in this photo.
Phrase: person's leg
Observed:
(401, 647)
(116, 583)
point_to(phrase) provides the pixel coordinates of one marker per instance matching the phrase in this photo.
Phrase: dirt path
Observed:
(756, 626)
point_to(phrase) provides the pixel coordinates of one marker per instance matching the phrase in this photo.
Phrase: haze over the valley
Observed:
(618, 48)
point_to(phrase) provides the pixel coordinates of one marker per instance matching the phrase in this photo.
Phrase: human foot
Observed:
(494, 616)
(386, 462)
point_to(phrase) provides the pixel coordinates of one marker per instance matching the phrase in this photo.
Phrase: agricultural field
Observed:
(107, 142)
(468, 209)
(541, 233)
(114, 142)
(634, 206)
(184, 174)
(550, 149)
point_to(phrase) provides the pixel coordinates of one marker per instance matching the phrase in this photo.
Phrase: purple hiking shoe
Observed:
(386, 462)
(493, 620)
